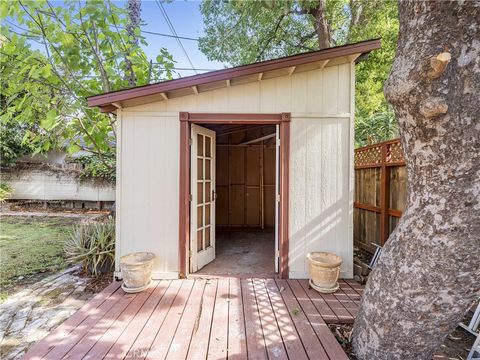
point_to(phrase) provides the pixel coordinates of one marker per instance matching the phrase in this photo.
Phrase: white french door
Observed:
(202, 205)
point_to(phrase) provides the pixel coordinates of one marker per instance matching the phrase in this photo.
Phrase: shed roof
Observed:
(110, 101)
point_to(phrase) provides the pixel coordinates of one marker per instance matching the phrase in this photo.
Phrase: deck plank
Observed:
(323, 309)
(68, 342)
(271, 333)
(144, 341)
(218, 345)
(201, 333)
(237, 341)
(98, 329)
(62, 331)
(123, 344)
(344, 317)
(181, 341)
(290, 336)
(331, 348)
(227, 318)
(161, 344)
(253, 328)
(106, 341)
(310, 341)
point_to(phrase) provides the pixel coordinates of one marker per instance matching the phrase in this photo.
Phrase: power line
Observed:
(172, 29)
(161, 34)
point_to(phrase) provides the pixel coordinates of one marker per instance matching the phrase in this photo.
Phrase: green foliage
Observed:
(93, 244)
(86, 50)
(5, 192)
(376, 128)
(93, 167)
(240, 32)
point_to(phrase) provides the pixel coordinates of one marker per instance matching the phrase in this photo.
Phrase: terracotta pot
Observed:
(324, 271)
(136, 271)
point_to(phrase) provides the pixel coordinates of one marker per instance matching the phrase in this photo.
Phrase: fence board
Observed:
(380, 192)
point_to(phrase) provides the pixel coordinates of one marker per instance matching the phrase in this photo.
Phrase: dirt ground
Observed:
(456, 346)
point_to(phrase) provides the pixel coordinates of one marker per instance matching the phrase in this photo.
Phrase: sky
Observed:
(187, 21)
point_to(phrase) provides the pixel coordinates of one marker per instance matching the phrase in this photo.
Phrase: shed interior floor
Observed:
(243, 252)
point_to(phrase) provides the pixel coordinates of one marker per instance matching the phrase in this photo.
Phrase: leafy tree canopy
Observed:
(87, 48)
(241, 32)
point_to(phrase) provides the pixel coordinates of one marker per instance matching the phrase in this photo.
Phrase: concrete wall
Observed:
(321, 170)
(41, 184)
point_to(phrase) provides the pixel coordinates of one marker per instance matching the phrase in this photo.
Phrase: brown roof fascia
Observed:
(226, 74)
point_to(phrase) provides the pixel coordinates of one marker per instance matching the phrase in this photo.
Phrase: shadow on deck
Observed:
(199, 319)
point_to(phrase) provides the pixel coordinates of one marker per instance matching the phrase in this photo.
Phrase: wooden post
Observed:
(384, 197)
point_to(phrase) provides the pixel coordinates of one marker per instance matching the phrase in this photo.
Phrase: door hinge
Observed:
(190, 197)
(278, 197)
(277, 253)
(190, 141)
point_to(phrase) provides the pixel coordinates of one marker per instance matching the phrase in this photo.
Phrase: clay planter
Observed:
(324, 271)
(136, 271)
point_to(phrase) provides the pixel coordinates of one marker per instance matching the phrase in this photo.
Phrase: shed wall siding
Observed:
(320, 169)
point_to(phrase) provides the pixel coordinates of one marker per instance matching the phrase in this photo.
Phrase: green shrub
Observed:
(93, 244)
(5, 192)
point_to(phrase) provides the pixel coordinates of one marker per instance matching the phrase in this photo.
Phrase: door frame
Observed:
(186, 119)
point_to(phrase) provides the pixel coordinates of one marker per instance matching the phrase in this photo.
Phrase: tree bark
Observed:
(134, 19)
(321, 26)
(429, 272)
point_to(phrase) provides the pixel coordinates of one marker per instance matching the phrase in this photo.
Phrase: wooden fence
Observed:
(380, 192)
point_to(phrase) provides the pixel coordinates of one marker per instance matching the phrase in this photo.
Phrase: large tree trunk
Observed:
(429, 272)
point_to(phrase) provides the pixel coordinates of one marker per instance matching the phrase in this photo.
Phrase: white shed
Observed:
(241, 171)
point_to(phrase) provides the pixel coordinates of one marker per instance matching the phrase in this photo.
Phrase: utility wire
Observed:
(172, 29)
(161, 34)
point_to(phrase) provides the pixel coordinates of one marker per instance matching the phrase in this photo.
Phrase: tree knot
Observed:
(438, 64)
(433, 106)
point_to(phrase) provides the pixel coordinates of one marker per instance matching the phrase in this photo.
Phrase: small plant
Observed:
(5, 192)
(93, 244)
(296, 312)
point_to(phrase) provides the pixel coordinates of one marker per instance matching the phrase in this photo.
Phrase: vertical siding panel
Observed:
(267, 95)
(283, 95)
(330, 89)
(236, 99)
(299, 93)
(314, 185)
(315, 91)
(204, 101)
(345, 210)
(220, 100)
(189, 103)
(344, 88)
(175, 105)
(297, 198)
(252, 97)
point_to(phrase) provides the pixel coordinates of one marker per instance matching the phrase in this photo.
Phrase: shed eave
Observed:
(105, 101)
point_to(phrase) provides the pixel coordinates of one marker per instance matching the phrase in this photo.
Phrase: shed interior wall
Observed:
(245, 178)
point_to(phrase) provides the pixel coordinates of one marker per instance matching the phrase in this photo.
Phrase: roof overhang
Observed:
(109, 102)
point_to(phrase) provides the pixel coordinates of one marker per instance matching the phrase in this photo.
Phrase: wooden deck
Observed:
(206, 319)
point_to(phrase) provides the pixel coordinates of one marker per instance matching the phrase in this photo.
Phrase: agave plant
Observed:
(93, 244)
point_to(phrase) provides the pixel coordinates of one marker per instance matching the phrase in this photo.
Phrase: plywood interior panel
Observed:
(245, 176)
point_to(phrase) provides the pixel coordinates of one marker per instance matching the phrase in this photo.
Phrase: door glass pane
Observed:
(208, 146)
(199, 216)
(200, 192)
(207, 170)
(199, 240)
(207, 237)
(199, 145)
(199, 169)
(207, 214)
(208, 191)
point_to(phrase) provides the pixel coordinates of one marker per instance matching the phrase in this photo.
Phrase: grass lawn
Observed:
(29, 247)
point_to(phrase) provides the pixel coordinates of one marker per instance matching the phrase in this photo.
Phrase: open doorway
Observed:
(234, 215)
